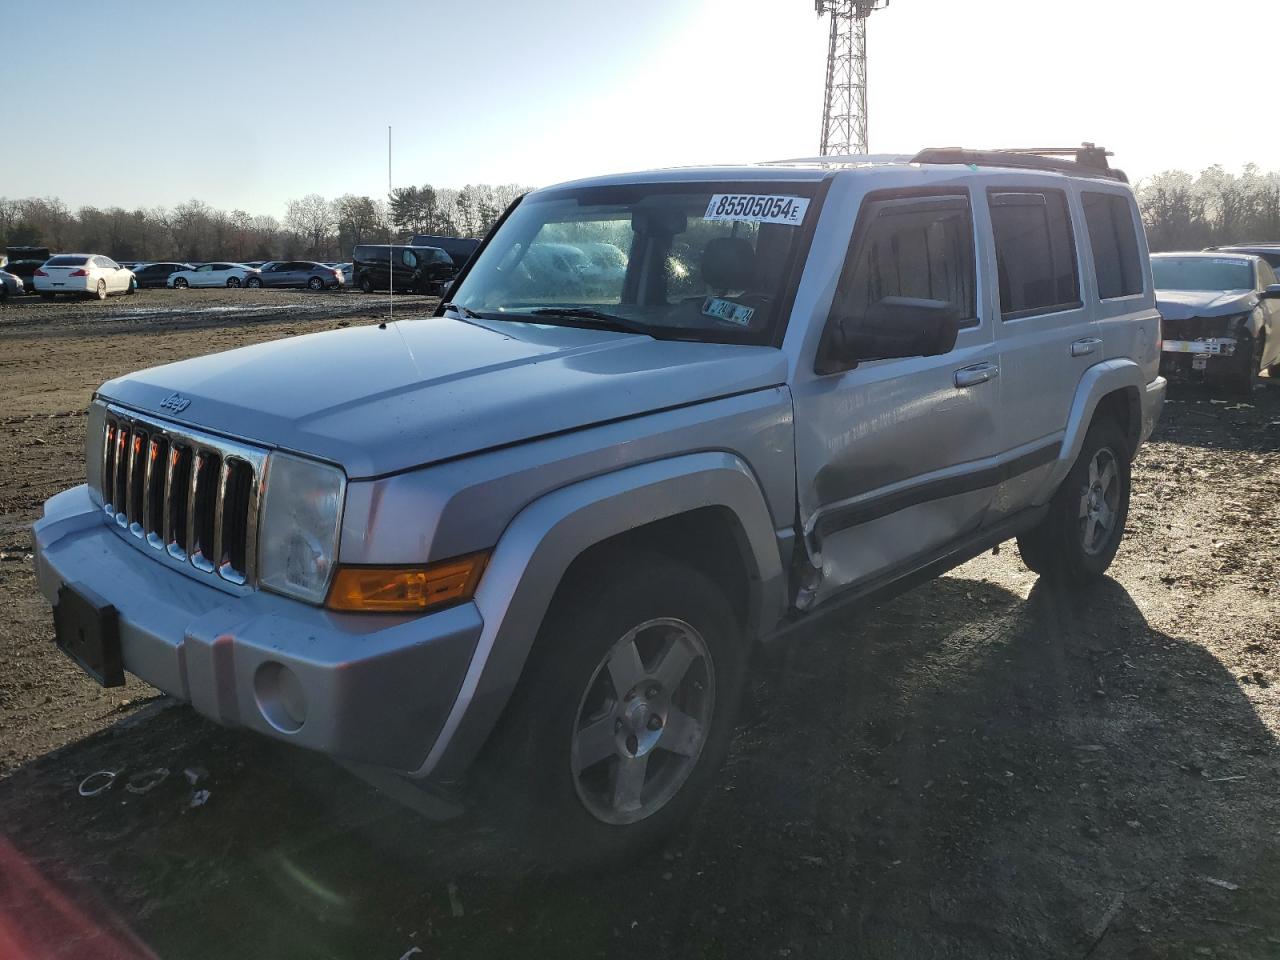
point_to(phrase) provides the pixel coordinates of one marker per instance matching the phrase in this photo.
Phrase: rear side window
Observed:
(1114, 241)
(919, 247)
(1035, 252)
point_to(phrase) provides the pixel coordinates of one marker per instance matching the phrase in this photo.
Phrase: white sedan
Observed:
(213, 275)
(82, 274)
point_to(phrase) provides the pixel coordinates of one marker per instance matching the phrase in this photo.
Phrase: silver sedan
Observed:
(10, 285)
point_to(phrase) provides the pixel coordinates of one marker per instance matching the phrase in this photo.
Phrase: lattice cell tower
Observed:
(844, 111)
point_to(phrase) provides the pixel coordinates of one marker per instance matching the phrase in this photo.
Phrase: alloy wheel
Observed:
(642, 721)
(1099, 502)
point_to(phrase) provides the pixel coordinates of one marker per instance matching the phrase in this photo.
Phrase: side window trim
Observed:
(1073, 246)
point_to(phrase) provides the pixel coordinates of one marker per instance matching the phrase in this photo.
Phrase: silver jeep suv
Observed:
(519, 552)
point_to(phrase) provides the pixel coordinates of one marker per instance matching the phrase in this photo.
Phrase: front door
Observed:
(896, 458)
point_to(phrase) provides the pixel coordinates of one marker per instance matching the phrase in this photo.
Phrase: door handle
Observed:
(978, 373)
(1081, 348)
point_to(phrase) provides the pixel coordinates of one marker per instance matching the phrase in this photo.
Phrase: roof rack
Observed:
(1084, 160)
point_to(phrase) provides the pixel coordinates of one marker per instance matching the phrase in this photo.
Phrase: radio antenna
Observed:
(391, 264)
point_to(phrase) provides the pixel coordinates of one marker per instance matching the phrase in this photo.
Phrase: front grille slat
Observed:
(109, 467)
(219, 502)
(192, 496)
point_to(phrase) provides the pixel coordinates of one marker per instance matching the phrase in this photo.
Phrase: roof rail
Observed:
(842, 159)
(1084, 160)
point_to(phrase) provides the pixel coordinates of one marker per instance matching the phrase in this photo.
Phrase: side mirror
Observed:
(1271, 292)
(892, 327)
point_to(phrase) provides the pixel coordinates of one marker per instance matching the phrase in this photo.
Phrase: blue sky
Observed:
(256, 103)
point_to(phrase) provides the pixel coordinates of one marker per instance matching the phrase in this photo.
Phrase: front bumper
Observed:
(372, 689)
(1214, 346)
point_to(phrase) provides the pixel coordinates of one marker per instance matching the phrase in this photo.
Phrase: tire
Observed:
(132, 288)
(100, 292)
(253, 283)
(1076, 549)
(1240, 381)
(180, 284)
(366, 285)
(233, 281)
(316, 284)
(567, 808)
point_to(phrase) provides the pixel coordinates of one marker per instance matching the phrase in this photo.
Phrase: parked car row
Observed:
(418, 268)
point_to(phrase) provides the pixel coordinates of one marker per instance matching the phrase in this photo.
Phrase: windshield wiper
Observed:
(601, 319)
(465, 311)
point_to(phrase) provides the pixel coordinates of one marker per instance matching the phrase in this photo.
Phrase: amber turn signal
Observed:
(406, 589)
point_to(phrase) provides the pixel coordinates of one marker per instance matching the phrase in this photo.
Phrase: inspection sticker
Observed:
(757, 208)
(728, 311)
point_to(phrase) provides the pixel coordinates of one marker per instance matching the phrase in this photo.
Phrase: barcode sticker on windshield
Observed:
(757, 208)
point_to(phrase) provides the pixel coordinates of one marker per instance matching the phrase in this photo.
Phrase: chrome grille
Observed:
(184, 493)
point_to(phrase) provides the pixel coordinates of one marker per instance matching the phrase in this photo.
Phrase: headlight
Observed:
(298, 535)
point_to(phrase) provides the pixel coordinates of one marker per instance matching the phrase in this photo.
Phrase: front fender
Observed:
(1098, 381)
(542, 541)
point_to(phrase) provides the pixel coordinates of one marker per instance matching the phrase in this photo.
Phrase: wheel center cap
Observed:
(642, 724)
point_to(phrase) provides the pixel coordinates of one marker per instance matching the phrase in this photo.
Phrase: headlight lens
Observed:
(298, 535)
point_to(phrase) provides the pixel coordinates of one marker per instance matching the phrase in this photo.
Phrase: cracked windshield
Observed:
(708, 479)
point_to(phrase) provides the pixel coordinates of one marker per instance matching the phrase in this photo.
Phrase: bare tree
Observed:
(313, 219)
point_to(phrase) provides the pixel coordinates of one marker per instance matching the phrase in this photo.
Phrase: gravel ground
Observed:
(983, 767)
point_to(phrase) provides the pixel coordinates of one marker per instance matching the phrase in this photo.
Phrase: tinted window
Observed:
(920, 247)
(409, 258)
(1201, 273)
(1035, 254)
(67, 261)
(1114, 242)
(203, 267)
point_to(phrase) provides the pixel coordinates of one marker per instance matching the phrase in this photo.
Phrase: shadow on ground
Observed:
(961, 773)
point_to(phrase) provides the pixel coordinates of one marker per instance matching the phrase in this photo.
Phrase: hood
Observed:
(1185, 304)
(381, 399)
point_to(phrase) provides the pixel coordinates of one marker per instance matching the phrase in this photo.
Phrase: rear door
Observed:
(1046, 332)
(896, 458)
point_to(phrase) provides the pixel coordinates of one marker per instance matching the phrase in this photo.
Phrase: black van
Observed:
(416, 269)
(23, 262)
(459, 249)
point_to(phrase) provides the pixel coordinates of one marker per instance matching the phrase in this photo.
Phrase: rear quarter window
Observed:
(1113, 239)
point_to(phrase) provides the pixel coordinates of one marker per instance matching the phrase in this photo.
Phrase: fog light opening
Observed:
(280, 698)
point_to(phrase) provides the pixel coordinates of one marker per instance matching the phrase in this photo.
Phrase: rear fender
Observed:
(1098, 381)
(542, 541)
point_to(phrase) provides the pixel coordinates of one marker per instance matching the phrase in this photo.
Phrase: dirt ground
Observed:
(983, 767)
